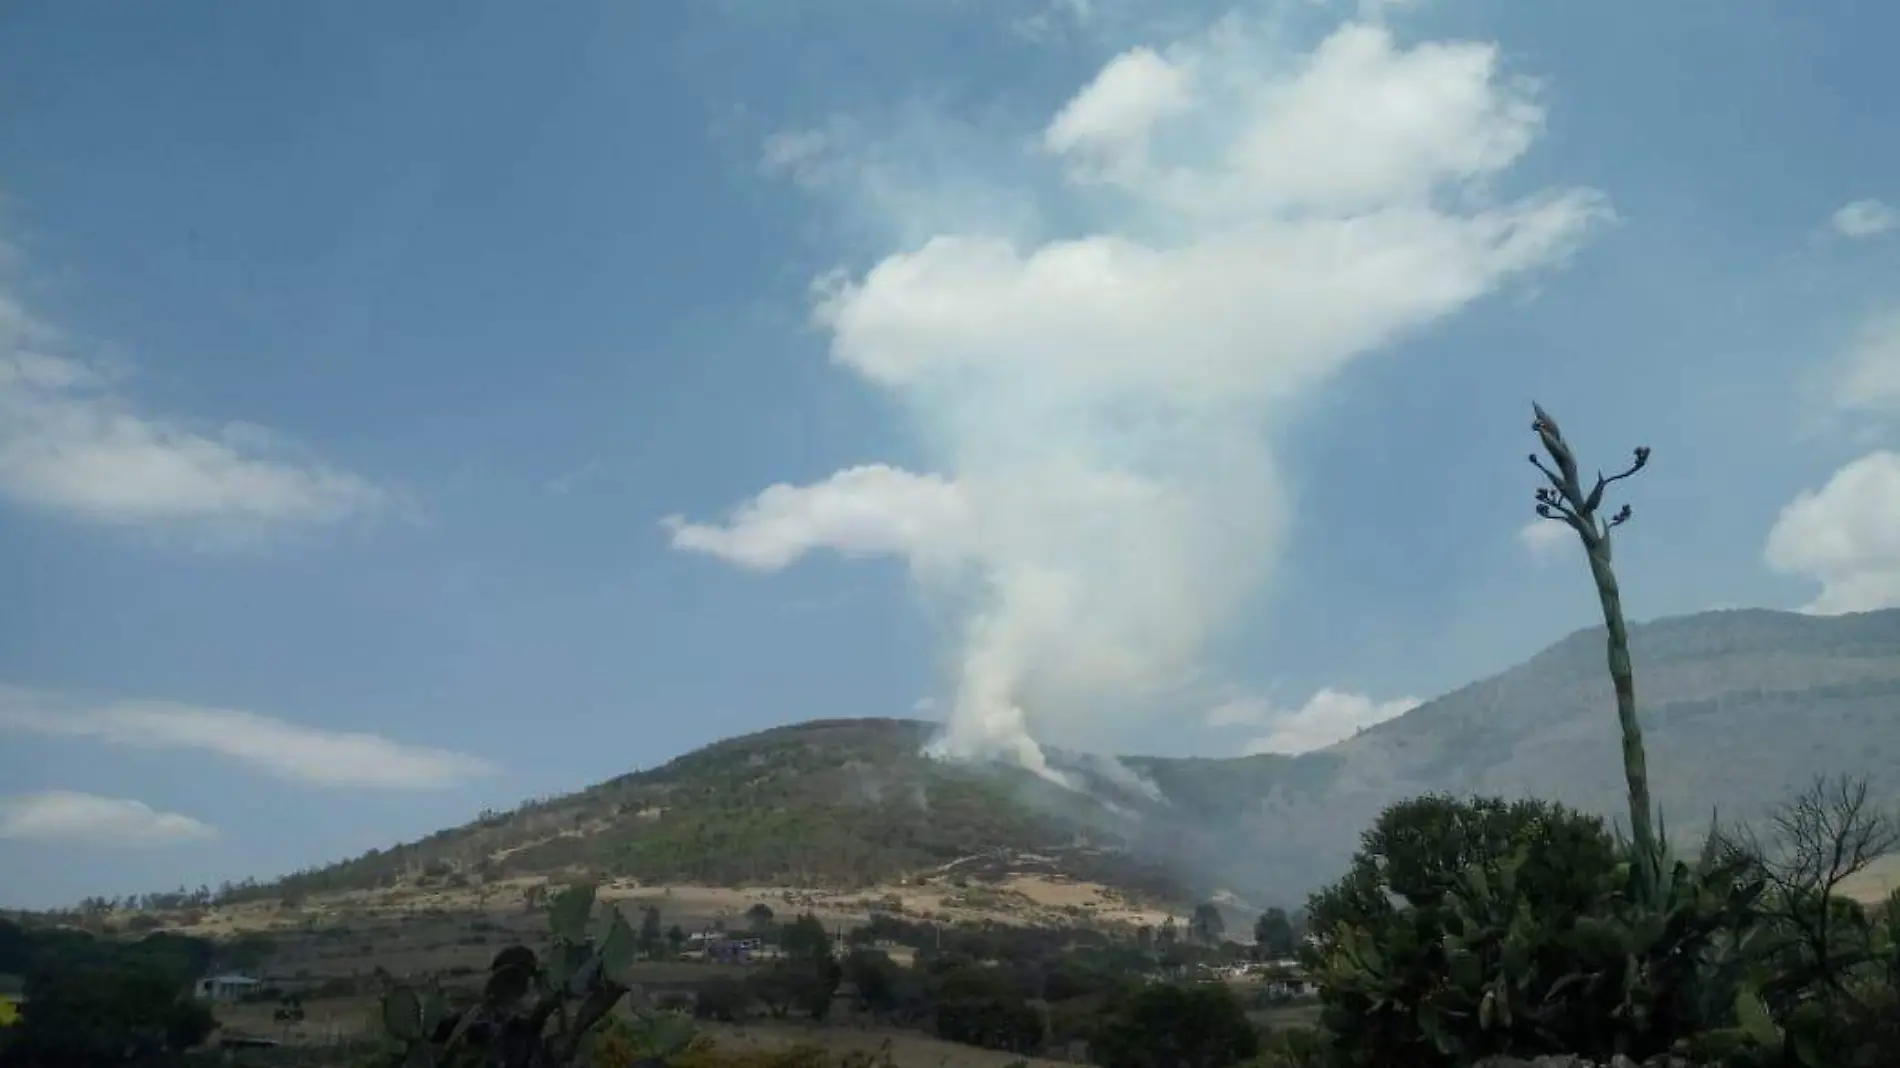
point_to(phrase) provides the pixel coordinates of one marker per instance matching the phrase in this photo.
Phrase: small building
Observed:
(225, 987)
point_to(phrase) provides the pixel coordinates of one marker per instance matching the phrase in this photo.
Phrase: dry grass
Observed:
(326, 1021)
(908, 1049)
(331, 1021)
(1020, 900)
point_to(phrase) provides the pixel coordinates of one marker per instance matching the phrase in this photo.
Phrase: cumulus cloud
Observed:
(1547, 540)
(1328, 716)
(1098, 409)
(1864, 218)
(860, 511)
(279, 748)
(1844, 537)
(67, 817)
(73, 443)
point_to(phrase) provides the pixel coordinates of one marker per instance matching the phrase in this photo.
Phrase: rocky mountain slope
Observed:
(1740, 707)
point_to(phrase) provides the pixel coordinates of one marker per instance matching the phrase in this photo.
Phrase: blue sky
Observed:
(1153, 377)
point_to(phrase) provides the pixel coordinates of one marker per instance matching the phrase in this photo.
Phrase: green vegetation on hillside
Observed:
(829, 803)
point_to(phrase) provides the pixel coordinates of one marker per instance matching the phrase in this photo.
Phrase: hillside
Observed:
(846, 804)
(1740, 707)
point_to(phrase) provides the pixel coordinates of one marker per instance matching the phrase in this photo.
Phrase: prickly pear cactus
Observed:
(533, 1011)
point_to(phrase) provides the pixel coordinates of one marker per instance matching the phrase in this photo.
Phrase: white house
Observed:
(224, 987)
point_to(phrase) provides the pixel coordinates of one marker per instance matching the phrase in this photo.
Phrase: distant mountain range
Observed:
(1740, 708)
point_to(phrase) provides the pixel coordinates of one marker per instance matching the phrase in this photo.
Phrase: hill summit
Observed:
(1739, 708)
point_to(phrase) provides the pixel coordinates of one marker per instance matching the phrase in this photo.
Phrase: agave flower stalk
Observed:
(1566, 501)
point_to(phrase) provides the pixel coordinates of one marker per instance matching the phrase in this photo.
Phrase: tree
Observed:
(1565, 501)
(876, 978)
(1206, 925)
(772, 987)
(978, 1005)
(1447, 898)
(759, 916)
(125, 1011)
(805, 939)
(1834, 979)
(1273, 934)
(650, 938)
(723, 997)
(16, 948)
(1198, 1026)
(808, 978)
(676, 938)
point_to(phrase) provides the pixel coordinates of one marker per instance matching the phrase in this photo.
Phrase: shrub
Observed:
(1197, 1026)
(979, 1006)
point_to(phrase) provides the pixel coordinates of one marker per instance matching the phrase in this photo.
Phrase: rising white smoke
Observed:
(1099, 409)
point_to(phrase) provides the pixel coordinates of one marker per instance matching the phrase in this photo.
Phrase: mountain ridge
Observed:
(1740, 707)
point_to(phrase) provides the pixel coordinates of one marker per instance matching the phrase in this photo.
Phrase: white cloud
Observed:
(1869, 380)
(1844, 536)
(71, 442)
(274, 746)
(1864, 218)
(1112, 120)
(1098, 409)
(860, 511)
(1547, 540)
(1328, 716)
(64, 816)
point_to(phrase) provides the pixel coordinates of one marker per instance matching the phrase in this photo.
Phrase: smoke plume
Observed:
(1099, 407)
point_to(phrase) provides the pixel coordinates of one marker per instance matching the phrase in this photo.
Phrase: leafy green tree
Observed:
(676, 938)
(650, 937)
(1418, 927)
(774, 988)
(1206, 925)
(805, 939)
(1273, 934)
(877, 979)
(722, 997)
(978, 1005)
(815, 985)
(759, 916)
(130, 1011)
(1172, 1026)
